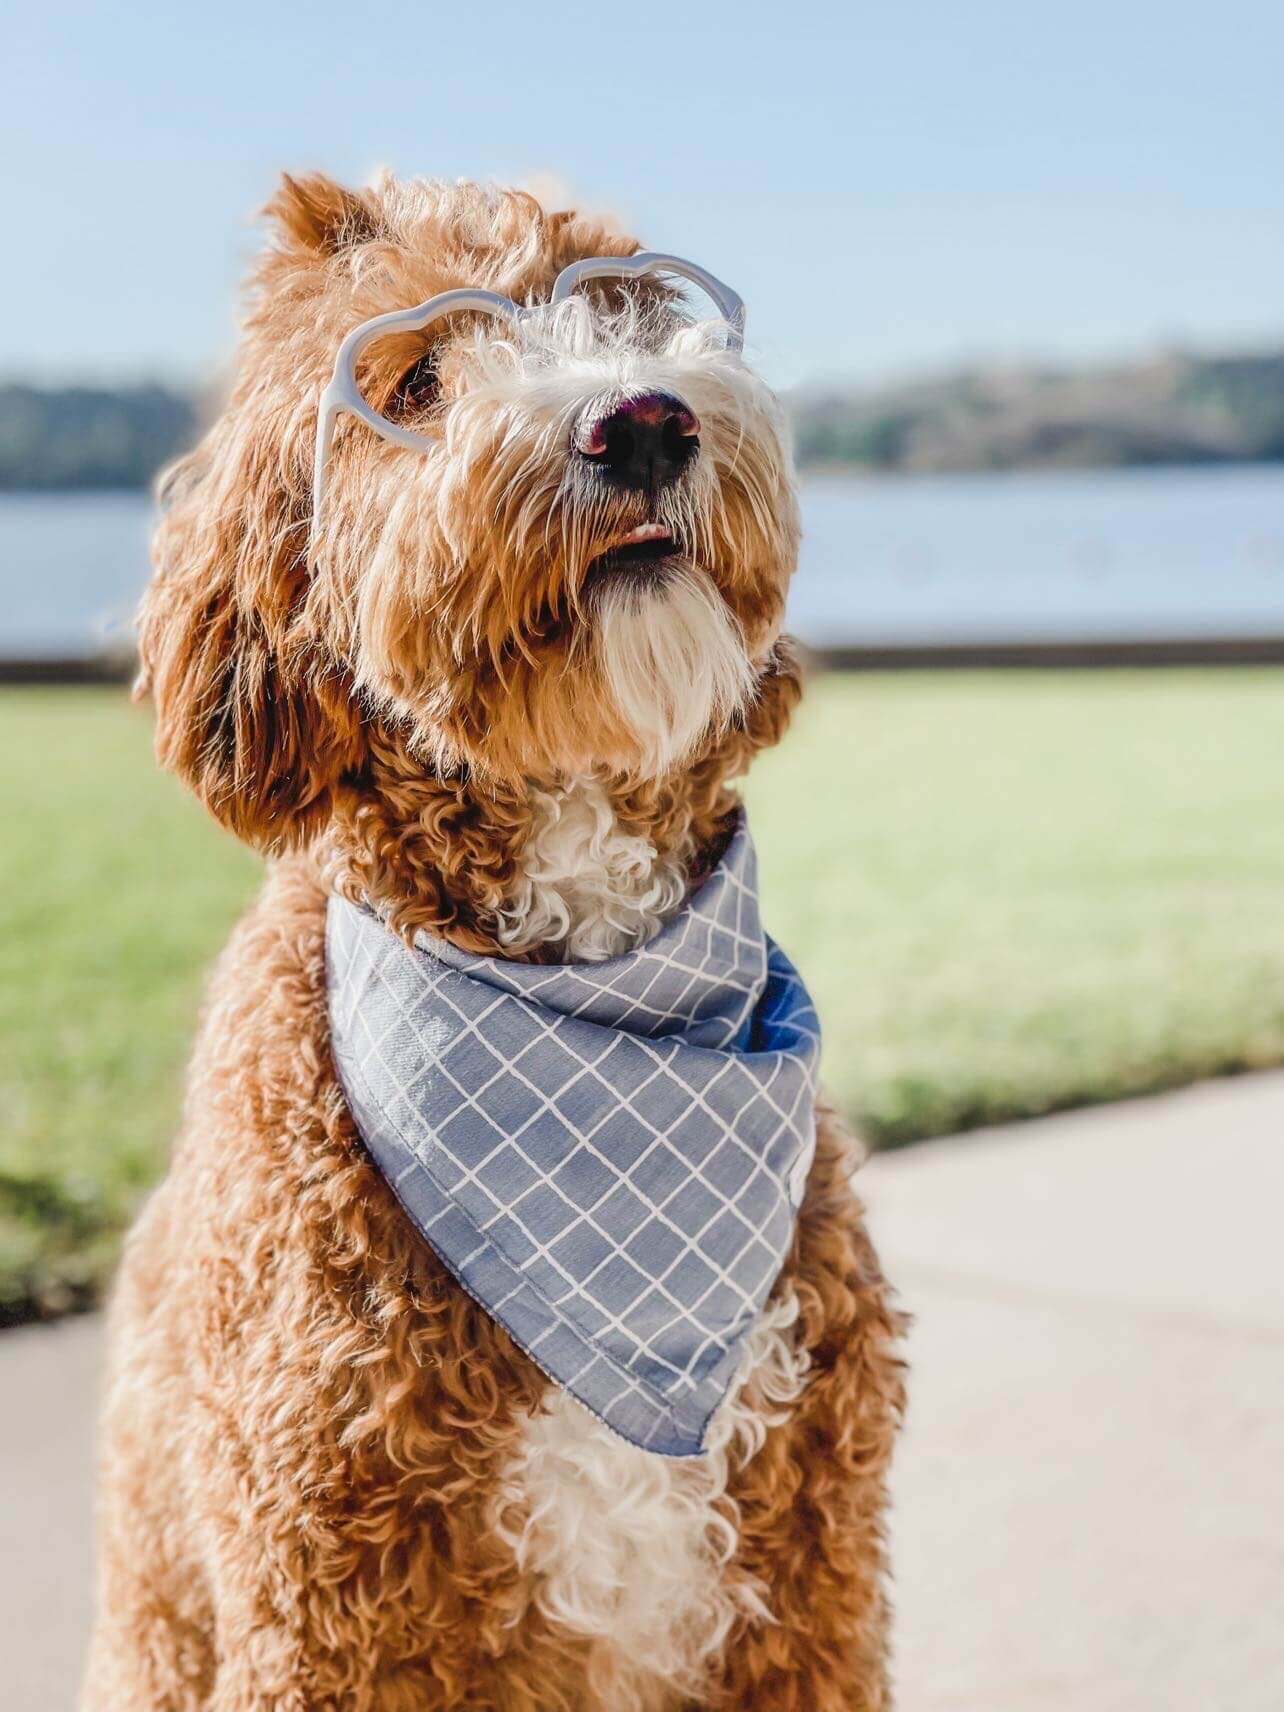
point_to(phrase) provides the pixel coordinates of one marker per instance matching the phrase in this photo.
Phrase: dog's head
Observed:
(579, 563)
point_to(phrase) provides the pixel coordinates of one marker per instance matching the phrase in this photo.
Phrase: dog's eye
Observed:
(418, 387)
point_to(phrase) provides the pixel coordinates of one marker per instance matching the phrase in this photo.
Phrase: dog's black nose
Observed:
(641, 442)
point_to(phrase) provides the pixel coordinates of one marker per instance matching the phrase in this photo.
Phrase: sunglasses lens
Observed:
(692, 294)
(397, 371)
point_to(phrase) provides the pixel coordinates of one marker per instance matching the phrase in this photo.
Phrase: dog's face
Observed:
(584, 568)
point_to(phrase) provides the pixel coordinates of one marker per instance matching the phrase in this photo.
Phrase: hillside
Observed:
(1176, 409)
(89, 437)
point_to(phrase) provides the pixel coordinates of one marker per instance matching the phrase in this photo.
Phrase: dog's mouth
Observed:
(640, 554)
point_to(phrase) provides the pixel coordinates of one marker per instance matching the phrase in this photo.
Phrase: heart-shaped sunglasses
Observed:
(343, 393)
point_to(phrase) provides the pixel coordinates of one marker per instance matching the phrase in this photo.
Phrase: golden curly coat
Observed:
(320, 1458)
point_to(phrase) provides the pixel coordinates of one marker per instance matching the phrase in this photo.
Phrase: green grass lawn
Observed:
(1010, 892)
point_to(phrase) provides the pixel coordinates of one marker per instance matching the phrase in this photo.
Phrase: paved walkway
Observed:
(1090, 1493)
(1091, 1488)
(48, 1383)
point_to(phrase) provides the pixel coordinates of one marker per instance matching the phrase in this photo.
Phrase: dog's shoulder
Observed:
(279, 940)
(261, 1064)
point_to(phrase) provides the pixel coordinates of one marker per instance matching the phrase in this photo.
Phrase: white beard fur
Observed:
(674, 661)
(629, 1549)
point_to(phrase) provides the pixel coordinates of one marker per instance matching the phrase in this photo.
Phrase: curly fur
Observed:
(587, 886)
(329, 1480)
(632, 1549)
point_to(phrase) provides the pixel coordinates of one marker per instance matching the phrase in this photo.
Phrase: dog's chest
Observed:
(625, 1547)
(586, 885)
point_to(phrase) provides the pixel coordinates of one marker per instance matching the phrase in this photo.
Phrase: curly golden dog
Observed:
(499, 688)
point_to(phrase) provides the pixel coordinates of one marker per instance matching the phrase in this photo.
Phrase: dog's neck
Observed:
(575, 869)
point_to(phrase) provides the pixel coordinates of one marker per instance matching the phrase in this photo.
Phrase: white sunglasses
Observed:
(343, 393)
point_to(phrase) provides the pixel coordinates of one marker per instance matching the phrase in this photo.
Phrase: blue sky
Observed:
(890, 188)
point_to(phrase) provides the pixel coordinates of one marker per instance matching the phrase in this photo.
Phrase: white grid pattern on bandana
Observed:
(605, 1155)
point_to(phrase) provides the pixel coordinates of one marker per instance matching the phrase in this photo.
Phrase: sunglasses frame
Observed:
(342, 392)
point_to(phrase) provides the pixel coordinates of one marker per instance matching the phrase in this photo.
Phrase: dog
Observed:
(492, 679)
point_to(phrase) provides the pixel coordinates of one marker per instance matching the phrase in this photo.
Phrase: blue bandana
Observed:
(608, 1156)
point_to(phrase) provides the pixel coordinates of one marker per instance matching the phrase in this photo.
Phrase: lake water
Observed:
(1117, 555)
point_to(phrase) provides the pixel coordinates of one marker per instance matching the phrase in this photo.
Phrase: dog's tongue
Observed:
(643, 532)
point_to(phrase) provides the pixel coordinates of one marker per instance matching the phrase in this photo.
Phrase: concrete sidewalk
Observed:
(48, 1398)
(1090, 1492)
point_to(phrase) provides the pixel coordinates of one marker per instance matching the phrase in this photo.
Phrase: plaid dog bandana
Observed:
(608, 1156)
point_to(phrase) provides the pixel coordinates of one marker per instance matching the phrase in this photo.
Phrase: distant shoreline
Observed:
(1178, 409)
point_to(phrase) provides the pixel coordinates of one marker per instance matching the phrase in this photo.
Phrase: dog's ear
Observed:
(320, 216)
(250, 709)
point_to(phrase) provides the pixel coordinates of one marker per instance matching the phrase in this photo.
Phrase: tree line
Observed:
(1172, 409)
